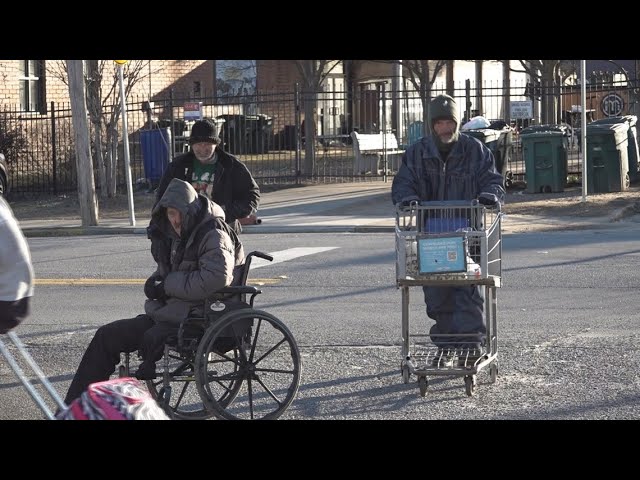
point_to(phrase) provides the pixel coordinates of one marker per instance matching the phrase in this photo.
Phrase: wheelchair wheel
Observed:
(184, 401)
(265, 368)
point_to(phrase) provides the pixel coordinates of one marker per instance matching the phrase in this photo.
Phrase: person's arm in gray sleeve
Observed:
(216, 263)
(16, 271)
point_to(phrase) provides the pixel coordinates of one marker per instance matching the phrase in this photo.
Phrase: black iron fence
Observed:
(266, 130)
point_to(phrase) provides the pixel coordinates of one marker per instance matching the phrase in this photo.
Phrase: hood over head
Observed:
(183, 197)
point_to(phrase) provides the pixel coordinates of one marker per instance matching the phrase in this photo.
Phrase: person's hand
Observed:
(488, 199)
(405, 204)
(154, 288)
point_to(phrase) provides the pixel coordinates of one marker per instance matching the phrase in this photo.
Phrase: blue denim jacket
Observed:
(469, 171)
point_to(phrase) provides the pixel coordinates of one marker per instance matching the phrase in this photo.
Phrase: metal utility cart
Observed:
(451, 243)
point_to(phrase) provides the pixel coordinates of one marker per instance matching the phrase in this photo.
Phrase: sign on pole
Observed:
(521, 109)
(193, 111)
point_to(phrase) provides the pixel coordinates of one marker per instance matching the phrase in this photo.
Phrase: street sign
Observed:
(193, 111)
(521, 109)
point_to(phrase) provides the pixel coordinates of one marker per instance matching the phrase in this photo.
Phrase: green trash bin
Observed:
(633, 153)
(607, 157)
(545, 160)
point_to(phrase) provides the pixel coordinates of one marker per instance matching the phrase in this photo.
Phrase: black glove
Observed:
(489, 199)
(154, 288)
(407, 203)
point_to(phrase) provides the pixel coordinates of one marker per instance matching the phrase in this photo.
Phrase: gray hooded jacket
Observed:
(205, 258)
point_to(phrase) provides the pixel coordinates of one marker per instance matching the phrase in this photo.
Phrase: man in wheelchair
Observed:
(205, 256)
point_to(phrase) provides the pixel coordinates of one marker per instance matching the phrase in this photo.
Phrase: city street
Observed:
(567, 323)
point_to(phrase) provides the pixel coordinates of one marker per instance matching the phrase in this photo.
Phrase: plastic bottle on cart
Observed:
(473, 269)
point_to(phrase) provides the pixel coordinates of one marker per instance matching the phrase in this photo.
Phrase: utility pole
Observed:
(84, 165)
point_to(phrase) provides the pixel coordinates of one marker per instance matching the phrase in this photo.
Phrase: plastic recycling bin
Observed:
(607, 157)
(633, 154)
(233, 133)
(545, 159)
(156, 148)
(259, 130)
(549, 128)
(246, 134)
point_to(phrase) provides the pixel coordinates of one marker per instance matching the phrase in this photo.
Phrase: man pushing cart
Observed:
(448, 195)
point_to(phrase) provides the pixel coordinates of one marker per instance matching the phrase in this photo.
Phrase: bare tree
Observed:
(546, 77)
(104, 107)
(422, 74)
(86, 187)
(313, 73)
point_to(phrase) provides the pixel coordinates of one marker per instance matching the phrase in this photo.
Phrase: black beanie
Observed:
(444, 107)
(203, 131)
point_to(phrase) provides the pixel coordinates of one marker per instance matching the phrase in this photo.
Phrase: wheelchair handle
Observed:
(263, 255)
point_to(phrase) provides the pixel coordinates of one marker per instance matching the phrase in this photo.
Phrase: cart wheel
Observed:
(404, 370)
(470, 385)
(423, 384)
(122, 372)
(493, 372)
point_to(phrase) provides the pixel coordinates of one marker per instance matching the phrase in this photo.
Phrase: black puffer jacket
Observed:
(234, 188)
(205, 258)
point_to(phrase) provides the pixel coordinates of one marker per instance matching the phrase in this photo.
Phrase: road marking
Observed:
(288, 254)
(278, 257)
(127, 281)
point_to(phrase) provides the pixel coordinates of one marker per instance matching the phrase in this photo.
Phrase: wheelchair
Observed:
(241, 364)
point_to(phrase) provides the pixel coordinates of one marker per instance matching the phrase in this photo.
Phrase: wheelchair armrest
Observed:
(239, 290)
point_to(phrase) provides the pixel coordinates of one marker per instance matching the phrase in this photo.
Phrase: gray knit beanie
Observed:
(444, 107)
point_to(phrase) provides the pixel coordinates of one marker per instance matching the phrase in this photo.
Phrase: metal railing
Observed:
(266, 130)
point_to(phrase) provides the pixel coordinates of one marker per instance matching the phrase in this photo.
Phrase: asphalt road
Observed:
(567, 315)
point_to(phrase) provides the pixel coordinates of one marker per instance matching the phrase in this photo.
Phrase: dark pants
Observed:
(103, 353)
(456, 310)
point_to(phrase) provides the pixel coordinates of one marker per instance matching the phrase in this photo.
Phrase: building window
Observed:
(31, 85)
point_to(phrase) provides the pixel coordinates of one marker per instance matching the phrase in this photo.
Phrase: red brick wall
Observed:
(277, 75)
(370, 70)
(180, 75)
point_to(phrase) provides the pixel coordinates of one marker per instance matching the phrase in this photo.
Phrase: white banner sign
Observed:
(523, 109)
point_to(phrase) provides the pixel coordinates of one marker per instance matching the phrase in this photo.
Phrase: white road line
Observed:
(288, 254)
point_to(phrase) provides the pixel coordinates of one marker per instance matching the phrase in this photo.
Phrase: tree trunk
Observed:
(112, 162)
(449, 78)
(86, 186)
(506, 89)
(95, 113)
(309, 100)
(479, 85)
(102, 174)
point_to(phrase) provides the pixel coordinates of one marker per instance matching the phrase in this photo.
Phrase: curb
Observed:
(80, 231)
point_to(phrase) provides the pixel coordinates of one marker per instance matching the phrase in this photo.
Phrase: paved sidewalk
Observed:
(346, 207)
